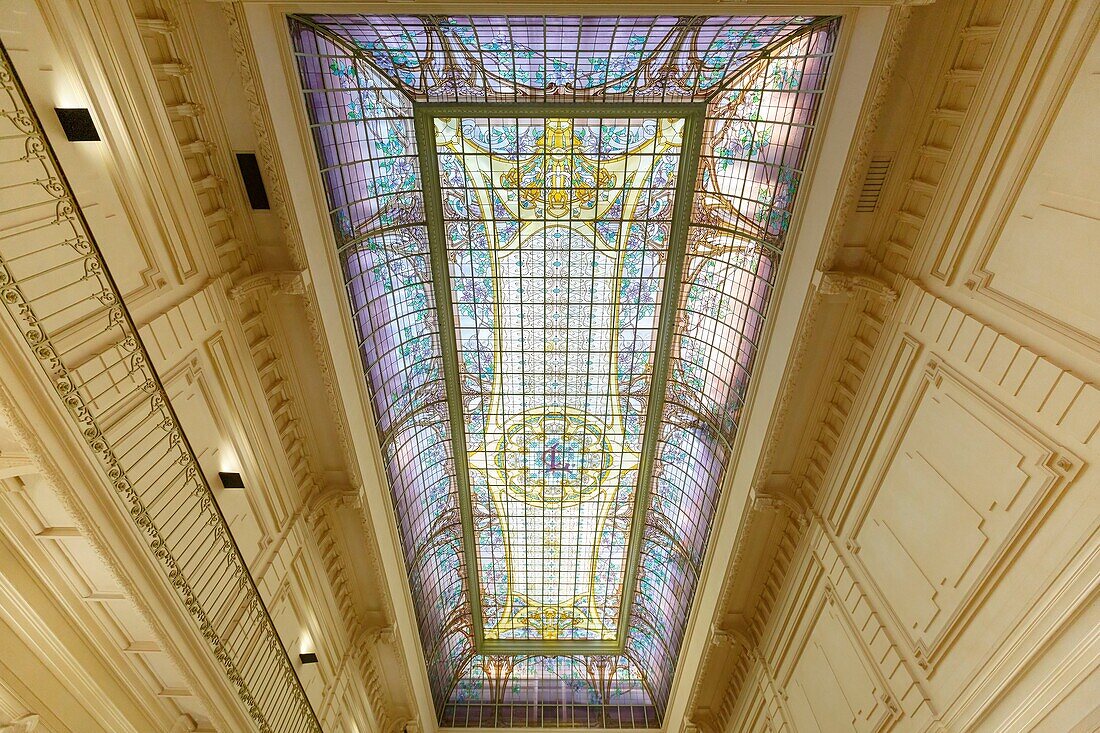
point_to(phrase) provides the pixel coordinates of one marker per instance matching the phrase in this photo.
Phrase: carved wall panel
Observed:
(1026, 266)
(84, 598)
(833, 684)
(961, 487)
(1030, 384)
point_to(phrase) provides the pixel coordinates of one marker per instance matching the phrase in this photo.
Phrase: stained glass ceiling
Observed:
(556, 232)
(559, 237)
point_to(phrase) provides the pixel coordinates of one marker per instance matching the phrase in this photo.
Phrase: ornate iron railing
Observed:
(56, 288)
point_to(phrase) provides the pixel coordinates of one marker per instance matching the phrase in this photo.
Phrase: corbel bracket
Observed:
(836, 282)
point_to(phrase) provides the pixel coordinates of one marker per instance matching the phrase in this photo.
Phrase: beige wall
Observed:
(944, 575)
(92, 636)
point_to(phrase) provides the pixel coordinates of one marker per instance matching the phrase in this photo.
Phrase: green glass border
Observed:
(693, 114)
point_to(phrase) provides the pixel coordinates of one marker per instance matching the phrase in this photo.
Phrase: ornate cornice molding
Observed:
(835, 282)
(186, 99)
(276, 185)
(329, 498)
(770, 446)
(856, 163)
(266, 284)
(273, 174)
(769, 498)
(858, 158)
(366, 638)
(363, 638)
(332, 394)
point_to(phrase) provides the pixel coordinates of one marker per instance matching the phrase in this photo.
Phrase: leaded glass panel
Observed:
(556, 231)
(541, 476)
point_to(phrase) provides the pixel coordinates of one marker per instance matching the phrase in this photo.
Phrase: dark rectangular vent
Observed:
(873, 183)
(253, 181)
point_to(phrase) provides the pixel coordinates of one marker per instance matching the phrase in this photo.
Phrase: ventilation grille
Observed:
(253, 181)
(873, 183)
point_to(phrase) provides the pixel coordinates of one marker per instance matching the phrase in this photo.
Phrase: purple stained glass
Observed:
(501, 58)
(761, 79)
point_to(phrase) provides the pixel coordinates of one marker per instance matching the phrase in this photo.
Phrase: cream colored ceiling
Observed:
(947, 317)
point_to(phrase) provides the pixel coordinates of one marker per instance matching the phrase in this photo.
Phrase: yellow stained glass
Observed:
(557, 232)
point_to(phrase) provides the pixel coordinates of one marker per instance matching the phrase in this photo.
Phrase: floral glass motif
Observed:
(555, 407)
(556, 234)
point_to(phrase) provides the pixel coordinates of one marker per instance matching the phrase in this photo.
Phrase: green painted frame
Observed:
(694, 115)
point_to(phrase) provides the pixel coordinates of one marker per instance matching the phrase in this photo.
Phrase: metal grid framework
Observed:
(425, 247)
(556, 232)
(560, 59)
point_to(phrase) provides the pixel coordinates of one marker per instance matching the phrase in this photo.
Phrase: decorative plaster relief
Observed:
(1023, 267)
(964, 484)
(25, 724)
(835, 282)
(730, 635)
(833, 684)
(270, 283)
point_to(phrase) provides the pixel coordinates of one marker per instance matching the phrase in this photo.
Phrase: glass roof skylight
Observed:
(559, 237)
(556, 233)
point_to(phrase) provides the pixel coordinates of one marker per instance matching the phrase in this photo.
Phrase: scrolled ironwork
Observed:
(59, 293)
